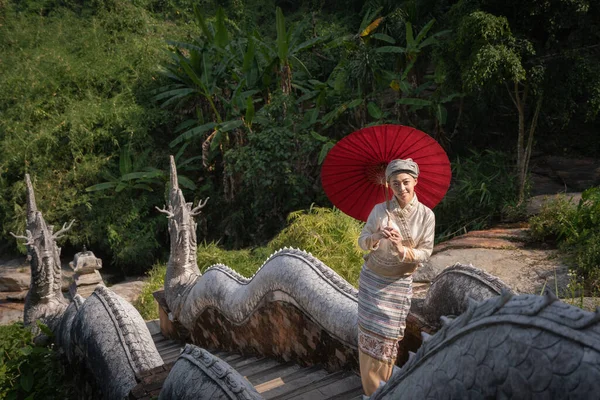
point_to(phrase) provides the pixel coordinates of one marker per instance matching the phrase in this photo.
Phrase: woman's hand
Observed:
(380, 234)
(393, 235)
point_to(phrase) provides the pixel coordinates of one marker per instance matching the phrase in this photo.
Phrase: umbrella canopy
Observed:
(353, 173)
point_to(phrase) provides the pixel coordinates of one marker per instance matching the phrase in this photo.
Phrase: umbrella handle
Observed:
(385, 196)
(389, 222)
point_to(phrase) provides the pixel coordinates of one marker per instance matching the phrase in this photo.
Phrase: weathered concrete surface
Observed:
(505, 347)
(129, 289)
(502, 253)
(111, 340)
(197, 374)
(90, 278)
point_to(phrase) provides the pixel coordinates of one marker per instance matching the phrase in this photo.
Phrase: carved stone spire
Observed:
(31, 206)
(44, 300)
(182, 268)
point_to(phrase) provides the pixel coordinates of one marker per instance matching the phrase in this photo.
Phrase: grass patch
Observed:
(145, 302)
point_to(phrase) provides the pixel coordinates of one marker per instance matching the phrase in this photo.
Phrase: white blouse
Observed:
(416, 224)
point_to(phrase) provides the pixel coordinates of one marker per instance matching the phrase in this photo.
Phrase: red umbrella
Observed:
(353, 172)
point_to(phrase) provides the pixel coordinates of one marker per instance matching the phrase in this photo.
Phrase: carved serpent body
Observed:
(289, 275)
(511, 346)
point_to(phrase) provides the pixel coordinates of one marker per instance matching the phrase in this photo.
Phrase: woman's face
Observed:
(403, 186)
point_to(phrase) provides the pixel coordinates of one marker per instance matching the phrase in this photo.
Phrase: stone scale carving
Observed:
(518, 347)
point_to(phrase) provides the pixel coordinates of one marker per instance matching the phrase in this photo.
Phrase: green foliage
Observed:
(554, 221)
(145, 302)
(73, 94)
(28, 371)
(481, 188)
(577, 230)
(329, 235)
(274, 171)
(245, 261)
(252, 98)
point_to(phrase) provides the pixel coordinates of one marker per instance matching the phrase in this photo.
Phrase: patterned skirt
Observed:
(383, 305)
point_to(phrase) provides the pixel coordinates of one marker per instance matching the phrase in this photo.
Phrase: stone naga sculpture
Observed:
(182, 267)
(104, 337)
(290, 275)
(510, 346)
(451, 291)
(44, 300)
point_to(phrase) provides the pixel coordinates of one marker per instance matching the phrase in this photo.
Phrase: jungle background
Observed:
(250, 95)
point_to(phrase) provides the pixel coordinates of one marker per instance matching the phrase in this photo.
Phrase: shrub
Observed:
(74, 91)
(577, 231)
(28, 371)
(245, 261)
(554, 221)
(481, 189)
(329, 235)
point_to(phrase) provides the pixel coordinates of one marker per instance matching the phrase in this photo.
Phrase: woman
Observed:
(399, 234)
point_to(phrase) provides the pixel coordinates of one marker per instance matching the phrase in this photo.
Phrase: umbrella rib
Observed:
(367, 143)
(360, 196)
(390, 154)
(348, 187)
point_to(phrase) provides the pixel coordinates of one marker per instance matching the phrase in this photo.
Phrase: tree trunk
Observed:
(286, 79)
(527, 155)
(524, 150)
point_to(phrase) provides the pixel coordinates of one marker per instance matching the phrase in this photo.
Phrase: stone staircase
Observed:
(273, 379)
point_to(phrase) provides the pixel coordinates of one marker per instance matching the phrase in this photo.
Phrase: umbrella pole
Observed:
(385, 196)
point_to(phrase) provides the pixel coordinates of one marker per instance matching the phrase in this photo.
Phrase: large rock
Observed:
(502, 253)
(526, 271)
(14, 276)
(553, 174)
(130, 289)
(11, 312)
(536, 203)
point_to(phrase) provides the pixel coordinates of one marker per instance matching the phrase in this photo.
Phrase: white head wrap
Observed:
(399, 166)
